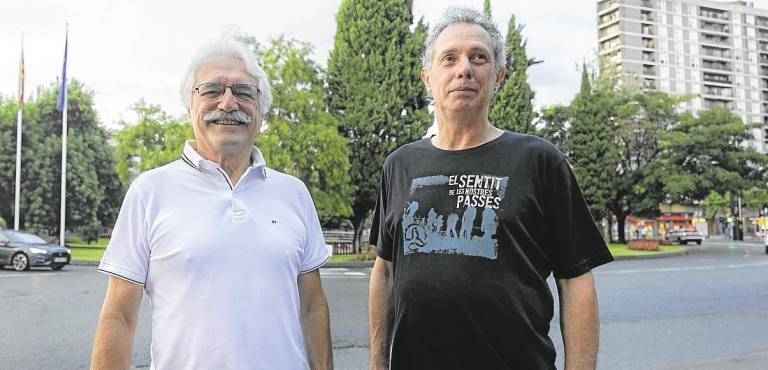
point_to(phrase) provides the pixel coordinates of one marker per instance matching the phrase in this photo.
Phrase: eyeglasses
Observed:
(245, 93)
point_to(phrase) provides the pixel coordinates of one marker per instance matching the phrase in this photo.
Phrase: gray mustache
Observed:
(220, 115)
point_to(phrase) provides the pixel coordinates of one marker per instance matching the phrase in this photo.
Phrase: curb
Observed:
(83, 263)
(364, 264)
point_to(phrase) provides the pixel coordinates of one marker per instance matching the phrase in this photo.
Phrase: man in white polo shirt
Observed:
(227, 249)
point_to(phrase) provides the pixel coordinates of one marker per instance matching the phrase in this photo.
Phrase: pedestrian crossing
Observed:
(345, 273)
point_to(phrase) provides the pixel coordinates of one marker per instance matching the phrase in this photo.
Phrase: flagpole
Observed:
(62, 225)
(19, 116)
(17, 200)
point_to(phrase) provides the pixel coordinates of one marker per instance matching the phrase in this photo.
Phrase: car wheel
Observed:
(57, 267)
(698, 242)
(20, 262)
(684, 242)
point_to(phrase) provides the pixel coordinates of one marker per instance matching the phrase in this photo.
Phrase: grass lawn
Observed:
(622, 250)
(369, 256)
(86, 252)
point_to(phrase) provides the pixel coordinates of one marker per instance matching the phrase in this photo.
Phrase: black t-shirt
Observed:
(473, 235)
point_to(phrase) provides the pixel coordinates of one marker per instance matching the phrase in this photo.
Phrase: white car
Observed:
(683, 236)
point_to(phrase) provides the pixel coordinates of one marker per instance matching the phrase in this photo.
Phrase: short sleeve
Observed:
(127, 255)
(315, 252)
(380, 234)
(576, 245)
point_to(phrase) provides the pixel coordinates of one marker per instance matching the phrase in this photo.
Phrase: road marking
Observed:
(693, 268)
(27, 275)
(354, 274)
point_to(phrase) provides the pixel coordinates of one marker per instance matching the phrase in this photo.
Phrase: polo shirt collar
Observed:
(191, 157)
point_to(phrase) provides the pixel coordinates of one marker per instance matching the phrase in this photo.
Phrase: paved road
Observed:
(706, 310)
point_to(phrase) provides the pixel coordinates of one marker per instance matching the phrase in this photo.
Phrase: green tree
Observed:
(487, 9)
(591, 145)
(301, 138)
(554, 125)
(641, 129)
(512, 106)
(708, 155)
(153, 140)
(91, 195)
(374, 90)
(714, 204)
(8, 109)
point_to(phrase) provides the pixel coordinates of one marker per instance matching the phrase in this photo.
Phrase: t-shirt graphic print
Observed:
(454, 214)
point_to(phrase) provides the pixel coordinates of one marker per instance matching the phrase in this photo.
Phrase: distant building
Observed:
(716, 50)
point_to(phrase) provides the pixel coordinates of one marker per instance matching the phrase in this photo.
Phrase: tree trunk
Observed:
(621, 219)
(358, 222)
(610, 228)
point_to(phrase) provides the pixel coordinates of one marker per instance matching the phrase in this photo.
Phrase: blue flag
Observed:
(61, 102)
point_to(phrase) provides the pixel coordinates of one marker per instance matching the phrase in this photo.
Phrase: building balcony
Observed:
(716, 66)
(715, 28)
(649, 70)
(647, 30)
(647, 3)
(649, 84)
(715, 40)
(648, 57)
(610, 31)
(716, 54)
(709, 103)
(647, 17)
(713, 14)
(605, 5)
(724, 93)
(722, 79)
(649, 43)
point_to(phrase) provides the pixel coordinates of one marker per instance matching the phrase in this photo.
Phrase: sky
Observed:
(130, 50)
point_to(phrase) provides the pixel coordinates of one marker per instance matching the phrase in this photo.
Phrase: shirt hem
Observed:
(584, 266)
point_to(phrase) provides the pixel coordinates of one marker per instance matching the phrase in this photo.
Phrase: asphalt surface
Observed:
(704, 310)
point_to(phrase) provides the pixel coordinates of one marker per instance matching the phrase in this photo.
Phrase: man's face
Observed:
(462, 76)
(223, 137)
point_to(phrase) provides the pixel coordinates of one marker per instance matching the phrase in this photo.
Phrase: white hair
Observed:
(226, 47)
(455, 14)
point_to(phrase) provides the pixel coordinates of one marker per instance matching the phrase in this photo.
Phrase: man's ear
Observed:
(425, 79)
(500, 75)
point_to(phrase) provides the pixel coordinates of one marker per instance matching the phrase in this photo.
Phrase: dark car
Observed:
(23, 250)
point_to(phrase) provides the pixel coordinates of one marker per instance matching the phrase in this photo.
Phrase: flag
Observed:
(21, 76)
(61, 102)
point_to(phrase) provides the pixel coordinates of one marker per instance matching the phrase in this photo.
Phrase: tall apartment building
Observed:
(716, 50)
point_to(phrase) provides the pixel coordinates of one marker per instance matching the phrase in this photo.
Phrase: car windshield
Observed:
(19, 237)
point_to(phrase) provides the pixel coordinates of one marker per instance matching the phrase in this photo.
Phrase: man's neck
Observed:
(233, 163)
(463, 131)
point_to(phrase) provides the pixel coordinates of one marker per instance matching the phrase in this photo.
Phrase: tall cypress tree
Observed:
(591, 143)
(487, 8)
(512, 107)
(374, 89)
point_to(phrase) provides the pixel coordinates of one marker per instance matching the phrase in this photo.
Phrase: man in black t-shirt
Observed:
(470, 223)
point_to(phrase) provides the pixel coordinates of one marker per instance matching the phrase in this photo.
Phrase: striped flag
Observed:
(61, 102)
(21, 76)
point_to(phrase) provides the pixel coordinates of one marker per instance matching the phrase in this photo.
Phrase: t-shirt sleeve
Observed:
(381, 236)
(576, 244)
(315, 252)
(127, 255)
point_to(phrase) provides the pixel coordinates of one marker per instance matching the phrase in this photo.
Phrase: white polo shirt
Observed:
(219, 262)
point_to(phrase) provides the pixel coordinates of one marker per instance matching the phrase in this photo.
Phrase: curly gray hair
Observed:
(455, 14)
